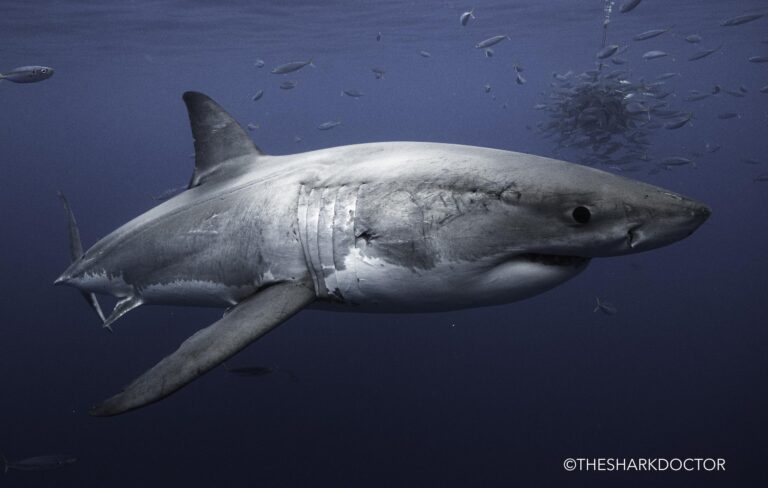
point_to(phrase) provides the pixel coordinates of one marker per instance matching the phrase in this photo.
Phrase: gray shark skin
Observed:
(382, 227)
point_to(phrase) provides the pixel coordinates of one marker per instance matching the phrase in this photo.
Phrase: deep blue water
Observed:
(496, 396)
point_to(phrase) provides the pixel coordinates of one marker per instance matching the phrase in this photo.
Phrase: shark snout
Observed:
(667, 225)
(70, 274)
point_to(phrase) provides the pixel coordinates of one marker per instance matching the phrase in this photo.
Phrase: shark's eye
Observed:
(581, 215)
(43, 70)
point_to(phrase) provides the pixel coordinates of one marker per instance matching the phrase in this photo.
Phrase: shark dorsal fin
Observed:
(220, 142)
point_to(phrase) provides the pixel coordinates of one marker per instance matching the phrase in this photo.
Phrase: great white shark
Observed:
(382, 227)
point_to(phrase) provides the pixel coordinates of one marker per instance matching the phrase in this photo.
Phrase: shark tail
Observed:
(76, 251)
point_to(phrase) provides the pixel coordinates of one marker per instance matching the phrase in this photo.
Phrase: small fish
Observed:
(329, 125)
(464, 19)
(378, 73)
(734, 93)
(296, 139)
(257, 95)
(605, 307)
(666, 76)
(518, 68)
(654, 55)
(676, 161)
(764, 89)
(39, 463)
(760, 178)
(728, 115)
(378, 37)
(489, 53)
(487, 88)
(27, 74)
(291, 67)
(676, 124)
(758, 59)
(288, 85)
(742, 19)
(751, 161)
(716, 89)
(629, 6)
(711, 148)
(352, 93)
(650, 34)
(705, 53)
(607, 51)
(491, 41)
(519, 79)
(618, 60)
(252, 127)
(693, 39)
(259, 63)
(425, 54)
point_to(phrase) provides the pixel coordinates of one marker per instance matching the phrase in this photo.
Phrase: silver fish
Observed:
(487, 88)
(758, 59)
(489, 53)
(693, 38)
(291, 67)
(629, 6)
(751, 161)
(288, 85)
(650, 34)
(378, 73)
(676, 124)
(258, 95)
(728, 115)
(27, 74)
(705, 53)
(259, 63)
(378, 37)
(618, 60)
(666, 76)
(352, 93)
(742, 19)
(491, 41)
(519, 79)
(654, 55)
(425, 54)
(607, 51)
(760, 178)
(464, 19)
(676, 161)
(764, 89)
(329, 125)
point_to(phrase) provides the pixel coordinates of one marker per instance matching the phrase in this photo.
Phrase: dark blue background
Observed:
(499, 399)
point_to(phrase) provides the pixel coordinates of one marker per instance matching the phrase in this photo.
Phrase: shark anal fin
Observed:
(220, 142)
(209, 347)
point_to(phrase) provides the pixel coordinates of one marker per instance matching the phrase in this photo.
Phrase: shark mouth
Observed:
(553, 259)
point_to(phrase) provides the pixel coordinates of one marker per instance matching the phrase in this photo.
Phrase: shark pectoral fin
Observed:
(220, 142)
(76, 251)
(209, 347)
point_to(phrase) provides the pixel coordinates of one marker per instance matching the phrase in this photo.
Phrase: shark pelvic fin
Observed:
(76, 251)
(209, 347)
(221, 144)
(121, 308)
